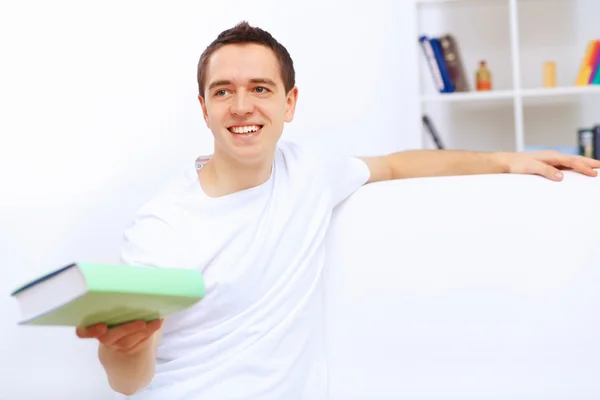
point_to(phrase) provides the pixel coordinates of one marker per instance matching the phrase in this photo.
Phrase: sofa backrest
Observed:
(466, 287)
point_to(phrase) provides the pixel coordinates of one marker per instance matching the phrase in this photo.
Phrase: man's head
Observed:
(246, 80)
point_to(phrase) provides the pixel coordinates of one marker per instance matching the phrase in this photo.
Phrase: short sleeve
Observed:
(345, 175)
(150, 241)
(335, 175)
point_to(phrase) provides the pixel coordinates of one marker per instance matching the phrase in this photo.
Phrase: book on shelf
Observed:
(428, 124)
(83, 294)
(589, 142)
(589, 69)
(443, 56)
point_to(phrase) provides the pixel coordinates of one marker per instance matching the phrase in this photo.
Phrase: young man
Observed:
(253, 218)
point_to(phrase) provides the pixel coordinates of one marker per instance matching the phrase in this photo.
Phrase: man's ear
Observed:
(204, 111)
(290, 107)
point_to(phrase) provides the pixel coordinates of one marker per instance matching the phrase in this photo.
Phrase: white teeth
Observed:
(244, 129)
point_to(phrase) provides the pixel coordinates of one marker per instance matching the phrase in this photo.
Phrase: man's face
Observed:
(245, 104)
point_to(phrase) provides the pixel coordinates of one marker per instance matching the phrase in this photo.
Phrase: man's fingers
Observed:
(583, 167)
(549, 172)
(123, 336)
(593, 163)
(89, 332)
(155, 325)
(129, 342)
(116, 333)
(578, 164)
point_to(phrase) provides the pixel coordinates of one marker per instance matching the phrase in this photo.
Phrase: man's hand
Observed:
(127, 352)
(128, 338)
(547, 163)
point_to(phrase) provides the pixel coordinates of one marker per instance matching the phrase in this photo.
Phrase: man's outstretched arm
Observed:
(425, 163)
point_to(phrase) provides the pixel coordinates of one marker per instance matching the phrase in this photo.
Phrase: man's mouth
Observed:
(244, 129)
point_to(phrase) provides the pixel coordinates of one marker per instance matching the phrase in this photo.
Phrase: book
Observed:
(587, 142)
(439, 57)
(432, 63)
(454, 63)
(445, 63)
(594, 61)
(432, 131)
(595, 76)
(596, 132)
(83, 294)
(585, 69)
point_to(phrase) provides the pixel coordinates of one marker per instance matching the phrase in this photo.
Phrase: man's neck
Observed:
(220, 177)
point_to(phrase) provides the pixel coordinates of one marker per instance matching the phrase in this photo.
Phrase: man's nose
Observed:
(242, 104)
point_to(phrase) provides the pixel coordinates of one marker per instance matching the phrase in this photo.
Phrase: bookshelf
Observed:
(515, 37)
(548, 94)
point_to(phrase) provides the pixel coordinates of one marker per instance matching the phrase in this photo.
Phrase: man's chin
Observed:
(248, 152)
(251, 155)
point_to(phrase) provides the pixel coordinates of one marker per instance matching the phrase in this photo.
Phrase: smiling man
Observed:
(246, 97)
(253, 218)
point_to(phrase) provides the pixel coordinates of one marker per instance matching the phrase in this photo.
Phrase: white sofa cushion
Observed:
(466, 287)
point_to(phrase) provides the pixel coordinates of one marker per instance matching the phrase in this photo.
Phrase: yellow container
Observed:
(549, 74)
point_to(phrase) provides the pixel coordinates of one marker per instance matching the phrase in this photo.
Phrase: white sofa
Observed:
(481, 287)
(477, 287)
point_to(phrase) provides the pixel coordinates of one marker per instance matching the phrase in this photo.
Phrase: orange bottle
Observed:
(483, 77)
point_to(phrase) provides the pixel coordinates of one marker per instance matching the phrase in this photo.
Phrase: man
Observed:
(253, 218)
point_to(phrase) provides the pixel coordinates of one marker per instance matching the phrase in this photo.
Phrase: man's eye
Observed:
(261, 89)
(221, 92)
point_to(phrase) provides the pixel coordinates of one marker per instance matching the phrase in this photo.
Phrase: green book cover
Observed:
(83, 294)
(596, 80)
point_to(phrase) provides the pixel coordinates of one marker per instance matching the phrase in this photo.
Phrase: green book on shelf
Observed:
(83, 294)
(596, 80)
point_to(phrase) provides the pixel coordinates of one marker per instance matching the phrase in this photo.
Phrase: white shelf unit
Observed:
(521, 31)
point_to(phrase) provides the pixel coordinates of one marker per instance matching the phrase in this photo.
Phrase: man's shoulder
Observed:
(151, 237)
(327, 169)
(303, 155)
(318, 157)
(286, 147)
(162, 201)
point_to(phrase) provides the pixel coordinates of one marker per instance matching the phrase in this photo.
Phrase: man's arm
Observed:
(425, 163)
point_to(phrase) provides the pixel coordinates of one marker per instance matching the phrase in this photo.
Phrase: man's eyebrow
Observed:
(219, 83)
(224, 82)
(265, 81)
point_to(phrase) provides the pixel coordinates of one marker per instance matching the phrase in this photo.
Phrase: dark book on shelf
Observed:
(589, 142)
(432, 131)
(445, 62)
(454, 63)
(596, 132)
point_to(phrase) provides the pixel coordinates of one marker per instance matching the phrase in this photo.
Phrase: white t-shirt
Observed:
(258, 333)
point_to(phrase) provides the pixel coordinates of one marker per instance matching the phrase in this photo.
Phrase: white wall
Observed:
(98, 103)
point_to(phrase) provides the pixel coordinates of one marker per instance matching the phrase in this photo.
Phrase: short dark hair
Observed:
(244, 33)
